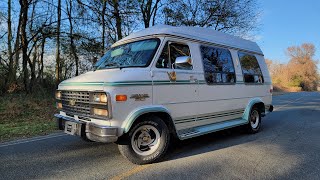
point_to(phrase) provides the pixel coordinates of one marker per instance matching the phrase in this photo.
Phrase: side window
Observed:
(176, 50)
(250, 68)
(218, 65)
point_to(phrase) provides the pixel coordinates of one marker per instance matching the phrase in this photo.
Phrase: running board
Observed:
(197, 131)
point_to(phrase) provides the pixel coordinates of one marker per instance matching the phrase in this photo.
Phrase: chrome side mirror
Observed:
(183, 62)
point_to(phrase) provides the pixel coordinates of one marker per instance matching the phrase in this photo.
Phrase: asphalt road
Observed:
(287, 147)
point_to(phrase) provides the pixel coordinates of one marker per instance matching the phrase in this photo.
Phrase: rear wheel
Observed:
(254, 120)
(147, 141)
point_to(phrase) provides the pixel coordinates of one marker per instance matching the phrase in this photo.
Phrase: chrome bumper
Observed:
(89, 130)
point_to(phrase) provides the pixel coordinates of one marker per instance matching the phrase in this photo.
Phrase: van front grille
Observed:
(78, 109)
(78, 96)
(76, 102)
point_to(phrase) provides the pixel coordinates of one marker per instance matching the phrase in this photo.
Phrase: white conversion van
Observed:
(167, 82)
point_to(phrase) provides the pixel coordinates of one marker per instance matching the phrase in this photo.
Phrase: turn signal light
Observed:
(59, 105)
(121, 98)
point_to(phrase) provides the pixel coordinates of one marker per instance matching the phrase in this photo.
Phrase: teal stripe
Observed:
(81, 84)
(128, 83)
(142, 83)
(210, 116)
(219, 116)
(220, 113)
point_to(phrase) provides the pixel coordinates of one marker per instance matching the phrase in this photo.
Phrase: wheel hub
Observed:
(145, 140)
(254, 119)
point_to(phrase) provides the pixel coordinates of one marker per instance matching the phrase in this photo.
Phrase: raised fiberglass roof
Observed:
(196, 33)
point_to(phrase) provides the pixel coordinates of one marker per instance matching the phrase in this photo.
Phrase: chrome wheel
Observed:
(254, 119)
(145, 140)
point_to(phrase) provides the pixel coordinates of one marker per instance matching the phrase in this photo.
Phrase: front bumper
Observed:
(270, 108)
(89, 130)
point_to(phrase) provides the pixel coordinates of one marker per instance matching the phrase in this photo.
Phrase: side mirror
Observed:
(183, 62)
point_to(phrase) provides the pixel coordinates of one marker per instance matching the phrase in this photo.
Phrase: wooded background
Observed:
(43, 42)
(300, 73)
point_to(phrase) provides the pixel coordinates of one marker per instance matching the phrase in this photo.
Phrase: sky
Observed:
(286, 23)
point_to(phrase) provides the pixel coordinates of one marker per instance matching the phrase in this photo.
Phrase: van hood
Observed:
(95, 76)
(106, 77)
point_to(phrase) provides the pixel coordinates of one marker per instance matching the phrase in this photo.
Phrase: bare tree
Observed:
(24, 4)
(116, 14)
(58, 68)
(76, 32)
(103, 12)
(10, 78)
(149, 9)
(69, 6)
(232, 16)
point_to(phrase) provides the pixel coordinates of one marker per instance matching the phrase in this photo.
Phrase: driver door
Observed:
(176, 86)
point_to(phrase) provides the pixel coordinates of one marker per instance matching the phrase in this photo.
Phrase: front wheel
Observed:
(254, 120)
(148, 141)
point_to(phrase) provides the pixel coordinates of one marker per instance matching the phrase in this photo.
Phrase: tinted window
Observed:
(250, 68)
(176, 50)
(218, 65)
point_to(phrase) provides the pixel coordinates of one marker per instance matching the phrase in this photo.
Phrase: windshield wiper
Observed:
(110, 65)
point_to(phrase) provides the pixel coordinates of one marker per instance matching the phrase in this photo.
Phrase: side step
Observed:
(197, 131)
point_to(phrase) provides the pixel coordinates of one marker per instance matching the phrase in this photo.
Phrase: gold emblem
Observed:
(139, 97)
(172, 76)
(72, 102)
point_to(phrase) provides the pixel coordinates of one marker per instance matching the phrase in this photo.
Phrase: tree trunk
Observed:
(58, 68)
(17, 46)
(117, 16)
(32, 65)
(104, 6)
(73, 47)
(40, 72)
(24, 42)
(10, 78)
(155, 10)
(149, 12)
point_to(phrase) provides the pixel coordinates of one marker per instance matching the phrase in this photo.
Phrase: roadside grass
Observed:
(24, 115)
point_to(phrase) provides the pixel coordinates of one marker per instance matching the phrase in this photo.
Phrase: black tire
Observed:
(84, 138)
(254, 123)
(131, 150)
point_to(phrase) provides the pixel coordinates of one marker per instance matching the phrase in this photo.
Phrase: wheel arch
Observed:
(138, 114)
(252, 103)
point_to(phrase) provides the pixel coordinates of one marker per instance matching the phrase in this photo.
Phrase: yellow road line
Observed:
(130, 172)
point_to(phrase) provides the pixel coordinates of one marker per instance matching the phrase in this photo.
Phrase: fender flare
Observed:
(251, 103)
(135, 114)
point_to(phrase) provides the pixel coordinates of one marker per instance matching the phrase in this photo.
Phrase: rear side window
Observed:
(250, 68)
(218, 65)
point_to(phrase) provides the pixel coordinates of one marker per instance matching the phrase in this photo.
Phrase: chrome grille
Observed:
(79, 96)
(80, 106)
(78, 109)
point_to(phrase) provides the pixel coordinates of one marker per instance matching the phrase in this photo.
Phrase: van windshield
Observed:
(134, 54)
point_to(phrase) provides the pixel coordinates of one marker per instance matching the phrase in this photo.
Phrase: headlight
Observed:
(100, 112)
(58, 94)
(100, 97)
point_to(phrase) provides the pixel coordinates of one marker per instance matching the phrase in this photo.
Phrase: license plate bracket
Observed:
(70, 128)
